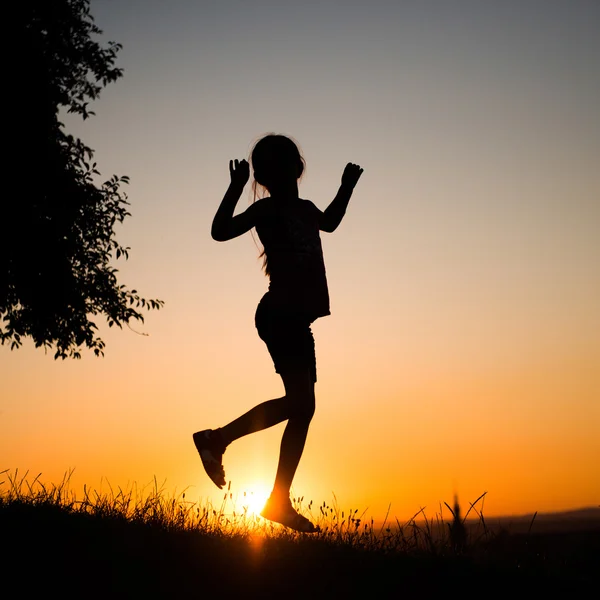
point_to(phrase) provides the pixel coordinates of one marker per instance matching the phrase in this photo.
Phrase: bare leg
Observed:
(211, 444)
(260, 417)
(300, 397)
(297, 407)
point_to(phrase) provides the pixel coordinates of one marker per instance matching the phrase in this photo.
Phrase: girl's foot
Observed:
(211, 447)
(282, 511)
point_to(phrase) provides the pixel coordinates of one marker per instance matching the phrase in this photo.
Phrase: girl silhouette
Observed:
(288, 228)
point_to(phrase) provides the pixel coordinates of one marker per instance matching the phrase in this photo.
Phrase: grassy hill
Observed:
(158, 547)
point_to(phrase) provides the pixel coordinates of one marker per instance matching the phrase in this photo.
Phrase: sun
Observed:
(253, 501)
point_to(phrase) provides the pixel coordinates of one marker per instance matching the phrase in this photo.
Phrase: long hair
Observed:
(274, 157)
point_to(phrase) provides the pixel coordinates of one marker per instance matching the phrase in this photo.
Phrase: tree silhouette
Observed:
(57, 235)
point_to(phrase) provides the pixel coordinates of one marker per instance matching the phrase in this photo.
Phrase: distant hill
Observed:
(582, 519)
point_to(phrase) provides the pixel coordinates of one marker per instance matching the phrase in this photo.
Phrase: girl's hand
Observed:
(239, 171)
(351, 175)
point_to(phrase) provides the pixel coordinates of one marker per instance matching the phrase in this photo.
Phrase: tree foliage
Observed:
(57, 238)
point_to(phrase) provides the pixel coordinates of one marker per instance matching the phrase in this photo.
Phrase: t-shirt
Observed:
(289, 232)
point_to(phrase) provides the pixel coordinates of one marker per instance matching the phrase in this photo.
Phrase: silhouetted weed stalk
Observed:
(152, 506)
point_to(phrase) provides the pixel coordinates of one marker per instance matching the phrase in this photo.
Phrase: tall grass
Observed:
(144, 542)
(151, 505)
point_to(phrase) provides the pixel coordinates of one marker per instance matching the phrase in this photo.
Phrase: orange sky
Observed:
(463, 349)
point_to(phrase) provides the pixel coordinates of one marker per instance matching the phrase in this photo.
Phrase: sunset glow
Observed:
(462, 354)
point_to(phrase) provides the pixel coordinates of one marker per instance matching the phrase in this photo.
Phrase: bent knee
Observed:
(302, 409)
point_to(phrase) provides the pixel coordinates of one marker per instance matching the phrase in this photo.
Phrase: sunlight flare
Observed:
(253, 501)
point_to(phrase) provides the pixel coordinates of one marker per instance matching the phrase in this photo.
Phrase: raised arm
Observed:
(225, 226)
(334, 213)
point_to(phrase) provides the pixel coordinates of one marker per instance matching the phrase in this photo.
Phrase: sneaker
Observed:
(210, 446)
(282, 511)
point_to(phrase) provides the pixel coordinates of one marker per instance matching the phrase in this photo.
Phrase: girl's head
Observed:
(276, 161)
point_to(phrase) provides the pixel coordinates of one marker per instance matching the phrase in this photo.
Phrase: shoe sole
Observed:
(211, 465)
(293, 521)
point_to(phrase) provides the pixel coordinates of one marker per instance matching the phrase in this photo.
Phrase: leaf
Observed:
(69, 212)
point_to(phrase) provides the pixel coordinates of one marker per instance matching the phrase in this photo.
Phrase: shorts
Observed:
(289, 339)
